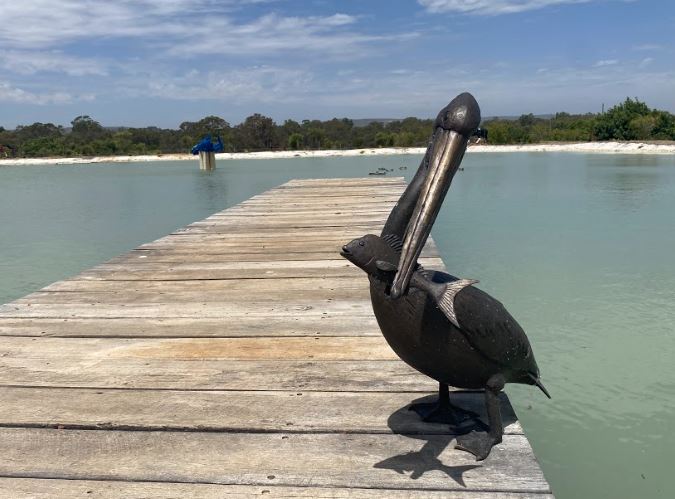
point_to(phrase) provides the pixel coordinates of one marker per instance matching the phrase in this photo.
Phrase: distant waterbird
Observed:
(440, 325)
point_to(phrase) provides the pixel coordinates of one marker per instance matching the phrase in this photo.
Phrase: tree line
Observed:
(630, 120)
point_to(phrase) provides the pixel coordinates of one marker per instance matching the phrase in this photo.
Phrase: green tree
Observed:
(664, 126)
(295, 141)
(315, 137)
(616, 123)
(256, 133)
(38, 130)
(210, 125)
(384, 139)
(85, 128)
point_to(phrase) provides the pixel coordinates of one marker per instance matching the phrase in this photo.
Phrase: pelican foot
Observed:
(435, 412)
(478, 443)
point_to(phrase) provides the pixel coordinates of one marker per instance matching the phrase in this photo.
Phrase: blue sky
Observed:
(160, 62)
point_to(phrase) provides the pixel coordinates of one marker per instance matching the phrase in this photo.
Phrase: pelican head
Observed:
(452, 129)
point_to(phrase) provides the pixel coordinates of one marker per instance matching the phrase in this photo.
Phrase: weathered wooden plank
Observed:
(234, 245)
(338, 309)
(324, 299)
(375, 200)
(219, 245)
(285, 231)
(354, 283)
(263, 348)
(283, 211)
(267, 348)
(282, 226)
(261, 265)
(243, 233)
(348, 188)
(294, 183)
(213, 310)
(330, 241)
(40, 488)
(255, 411)
(202, 272)
(199, 327)
(288, 459)
(355, 190)
(280, 212)
(290, 228)
(328, 204)
(212, 374)
(208, 364)
(218, 255)
(232, 270)
(292, 265)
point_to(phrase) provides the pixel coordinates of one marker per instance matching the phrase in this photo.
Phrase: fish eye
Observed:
(361, 243)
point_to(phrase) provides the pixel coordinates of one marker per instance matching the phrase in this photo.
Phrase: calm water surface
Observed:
(581, 249)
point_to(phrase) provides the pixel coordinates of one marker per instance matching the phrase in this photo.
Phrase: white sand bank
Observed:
(583, 147)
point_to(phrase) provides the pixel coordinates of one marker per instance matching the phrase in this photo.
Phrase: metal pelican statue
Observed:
(443, 326)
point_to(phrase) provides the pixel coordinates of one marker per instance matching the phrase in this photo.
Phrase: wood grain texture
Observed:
(288, 459)
(235, 410)
(37, 488)
(239, 357)
(187, 327)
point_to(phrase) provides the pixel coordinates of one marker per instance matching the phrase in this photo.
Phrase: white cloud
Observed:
(255, 84)
(183, 27)
(272, 33)
(41, 23)
(648, 47)
(9, 93)
(513, 90)
(30, 62)
(491, 7)
(606, 62)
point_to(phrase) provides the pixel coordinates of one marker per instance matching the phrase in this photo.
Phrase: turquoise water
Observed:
(580, 248)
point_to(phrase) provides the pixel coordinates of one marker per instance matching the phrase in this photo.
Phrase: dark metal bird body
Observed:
(463, 347)
(439, 324)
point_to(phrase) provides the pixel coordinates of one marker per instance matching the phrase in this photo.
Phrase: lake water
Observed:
(580, 248)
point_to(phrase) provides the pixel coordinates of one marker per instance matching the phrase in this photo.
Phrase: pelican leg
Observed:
(480, 443)
(442, 411)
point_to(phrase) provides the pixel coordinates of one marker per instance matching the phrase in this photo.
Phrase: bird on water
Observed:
(443, 326)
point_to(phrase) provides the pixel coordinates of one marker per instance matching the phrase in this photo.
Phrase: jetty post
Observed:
(207, 160)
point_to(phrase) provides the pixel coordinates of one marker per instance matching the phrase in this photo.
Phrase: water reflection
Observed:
(627, 180)
(211, 188)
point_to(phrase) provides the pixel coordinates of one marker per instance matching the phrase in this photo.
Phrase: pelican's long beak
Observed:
(454, 125)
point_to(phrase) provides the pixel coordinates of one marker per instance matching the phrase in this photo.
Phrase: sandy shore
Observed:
(583, 147)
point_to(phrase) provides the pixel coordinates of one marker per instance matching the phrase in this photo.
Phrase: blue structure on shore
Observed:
(206, 145)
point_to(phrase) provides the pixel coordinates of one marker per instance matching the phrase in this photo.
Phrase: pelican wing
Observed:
(491, 330)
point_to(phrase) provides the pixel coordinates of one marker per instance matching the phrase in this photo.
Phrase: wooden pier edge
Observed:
(236, 357)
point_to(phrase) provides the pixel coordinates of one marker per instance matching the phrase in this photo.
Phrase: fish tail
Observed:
(446, 300)
(537, 381)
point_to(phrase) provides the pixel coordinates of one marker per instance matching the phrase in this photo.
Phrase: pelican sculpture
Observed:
(443, 326)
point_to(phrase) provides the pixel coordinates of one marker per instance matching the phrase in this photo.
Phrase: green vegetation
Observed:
(630, 120)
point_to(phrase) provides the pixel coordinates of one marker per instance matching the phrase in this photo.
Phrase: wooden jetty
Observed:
(237, 357)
